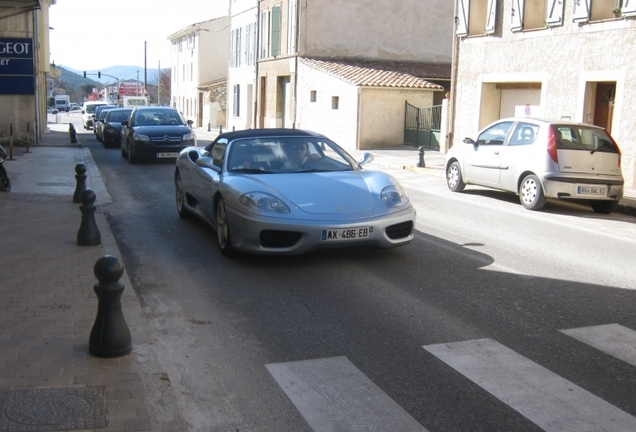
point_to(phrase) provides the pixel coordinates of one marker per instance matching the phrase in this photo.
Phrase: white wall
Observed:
(340, 125)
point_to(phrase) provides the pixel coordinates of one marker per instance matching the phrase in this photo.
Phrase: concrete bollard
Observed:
(110, 336)
(88, 234)
(72, 133)
(80, 185)
(421, 163)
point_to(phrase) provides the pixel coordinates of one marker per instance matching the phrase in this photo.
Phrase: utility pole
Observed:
(159, 84)
(145, 71)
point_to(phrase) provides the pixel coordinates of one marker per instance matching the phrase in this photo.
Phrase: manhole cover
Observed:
(52, 409)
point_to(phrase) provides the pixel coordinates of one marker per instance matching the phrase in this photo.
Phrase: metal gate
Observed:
(422, 126)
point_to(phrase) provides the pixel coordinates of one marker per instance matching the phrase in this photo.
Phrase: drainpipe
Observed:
(455, 54)
(257, 56)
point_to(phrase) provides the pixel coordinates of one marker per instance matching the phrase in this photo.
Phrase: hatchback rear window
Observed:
(583, 138)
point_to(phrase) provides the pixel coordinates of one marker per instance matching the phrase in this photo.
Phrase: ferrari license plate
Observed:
(591, 190)
(347, 234)
(167, 155)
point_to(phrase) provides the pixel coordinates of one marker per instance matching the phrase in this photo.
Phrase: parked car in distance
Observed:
(52, 110)
(88, 109)
(98, 119)
(112, 125)
(539, 159)
(289, 191)
(74, 107)
(155, 133)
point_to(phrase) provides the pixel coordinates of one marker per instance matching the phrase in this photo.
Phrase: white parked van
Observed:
(88, 109)
(134, 101)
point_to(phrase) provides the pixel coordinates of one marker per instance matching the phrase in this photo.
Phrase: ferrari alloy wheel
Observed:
(531, 193)
(223, 229)
(180, 197)
(454, 177)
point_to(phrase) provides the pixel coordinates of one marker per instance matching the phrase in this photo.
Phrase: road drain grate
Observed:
(57, 409)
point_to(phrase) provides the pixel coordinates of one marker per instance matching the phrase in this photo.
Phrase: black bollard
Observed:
(73, 133)
(110, 336)
(80, 176)
(209, 127)
(88, 234)
(421, 163)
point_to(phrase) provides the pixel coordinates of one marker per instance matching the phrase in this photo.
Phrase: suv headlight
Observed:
(394, 196)
(188, 137)
(264, 202)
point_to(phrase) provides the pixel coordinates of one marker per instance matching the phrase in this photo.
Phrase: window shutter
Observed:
(581, 10)
(463, 6)
(517, 15)
(555, 12)
(629, 8)
(275, 31)
(492, 16)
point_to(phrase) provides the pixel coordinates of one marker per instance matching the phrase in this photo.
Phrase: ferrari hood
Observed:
(324, 193)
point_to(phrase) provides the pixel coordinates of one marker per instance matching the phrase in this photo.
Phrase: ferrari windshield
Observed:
(287, 155)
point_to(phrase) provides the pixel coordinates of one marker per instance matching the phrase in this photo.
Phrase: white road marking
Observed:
(333, 395)
(612, 339)
(543, 397)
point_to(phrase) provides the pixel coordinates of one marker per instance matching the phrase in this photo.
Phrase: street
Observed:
(494, 318)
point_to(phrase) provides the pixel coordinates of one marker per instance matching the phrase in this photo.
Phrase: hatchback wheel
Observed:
(531, 193)
(223, 229)
(454, 177)
(604, 207)
(180, 197)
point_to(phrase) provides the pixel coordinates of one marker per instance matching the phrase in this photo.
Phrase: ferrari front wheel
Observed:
(223, 229)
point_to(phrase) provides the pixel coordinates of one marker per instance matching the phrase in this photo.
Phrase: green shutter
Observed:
(275, 47)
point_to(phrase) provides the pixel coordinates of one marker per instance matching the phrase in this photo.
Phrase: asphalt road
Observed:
(494, 318)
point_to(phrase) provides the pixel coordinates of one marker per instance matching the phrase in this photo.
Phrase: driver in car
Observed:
(298, 154)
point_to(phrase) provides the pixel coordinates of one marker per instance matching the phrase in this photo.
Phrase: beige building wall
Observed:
(417, 30)
(381, 118)
(565, 63)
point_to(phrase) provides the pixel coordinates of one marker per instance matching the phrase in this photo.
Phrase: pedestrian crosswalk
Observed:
(333, 395)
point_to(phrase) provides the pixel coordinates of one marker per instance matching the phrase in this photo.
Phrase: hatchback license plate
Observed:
(167, 155)
(591, 190)
(347, 234)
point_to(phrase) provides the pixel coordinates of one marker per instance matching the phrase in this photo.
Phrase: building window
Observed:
(291, 26)
(476, 17)
(264, 48)
(312, 96)
(236, 101)
(335, 101)
(275, 38)
(597, 10)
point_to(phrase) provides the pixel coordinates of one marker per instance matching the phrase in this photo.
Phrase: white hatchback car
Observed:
(540, 159)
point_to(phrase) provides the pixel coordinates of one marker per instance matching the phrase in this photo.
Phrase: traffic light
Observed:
(84, 74)
(99, 74)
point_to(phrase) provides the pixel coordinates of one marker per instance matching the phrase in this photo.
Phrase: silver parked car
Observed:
(540, 159)
(288, 191)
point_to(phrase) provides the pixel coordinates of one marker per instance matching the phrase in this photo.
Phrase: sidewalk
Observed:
(48, 380)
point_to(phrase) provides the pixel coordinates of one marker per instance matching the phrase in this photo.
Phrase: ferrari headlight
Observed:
(139, 137)
(264, 202)
(394, 196)
(188, 137)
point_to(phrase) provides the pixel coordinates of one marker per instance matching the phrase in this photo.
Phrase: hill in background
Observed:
(121, 72)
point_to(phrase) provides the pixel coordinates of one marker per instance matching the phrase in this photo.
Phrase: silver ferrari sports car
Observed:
(289, 191)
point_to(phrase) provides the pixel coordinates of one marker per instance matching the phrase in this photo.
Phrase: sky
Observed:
(95, 34)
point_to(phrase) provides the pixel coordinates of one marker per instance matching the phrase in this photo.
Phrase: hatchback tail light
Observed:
(552, 144)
